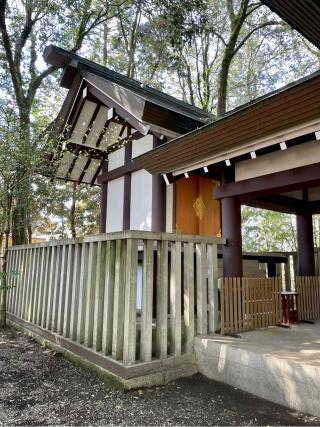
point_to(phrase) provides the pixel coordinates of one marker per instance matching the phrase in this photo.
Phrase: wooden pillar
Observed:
(127, 188)
(306, 264)
(103, 203)
(272, 269)
(158, 219)
(231, 230)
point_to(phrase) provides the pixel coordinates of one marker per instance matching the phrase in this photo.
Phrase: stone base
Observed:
(286, 377)
(157, 372)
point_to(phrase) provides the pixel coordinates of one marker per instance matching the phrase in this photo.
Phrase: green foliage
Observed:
(178, 46)
(7, 280)
(268, 231)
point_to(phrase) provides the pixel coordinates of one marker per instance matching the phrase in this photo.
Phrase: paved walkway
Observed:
(39, 387)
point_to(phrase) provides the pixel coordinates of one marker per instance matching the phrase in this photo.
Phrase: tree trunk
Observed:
(4, 272)
(22, 189)
(223, 83)
(73, 212)
(105, 44)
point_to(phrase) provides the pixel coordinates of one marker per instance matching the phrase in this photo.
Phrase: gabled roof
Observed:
(155, 100)
(302, 15)
(105, 110)
(249, 127)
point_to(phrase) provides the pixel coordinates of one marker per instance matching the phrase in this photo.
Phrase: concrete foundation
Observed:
(280, 365)
(157, 372)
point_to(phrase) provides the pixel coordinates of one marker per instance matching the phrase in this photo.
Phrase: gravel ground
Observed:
(40, 387)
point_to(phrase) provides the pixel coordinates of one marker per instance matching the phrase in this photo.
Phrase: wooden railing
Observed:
(249, 303)
(309, 289)
(132, 296)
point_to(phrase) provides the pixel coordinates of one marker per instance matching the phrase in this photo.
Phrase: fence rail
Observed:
(309, 289)
(130, 296)
(249, 303)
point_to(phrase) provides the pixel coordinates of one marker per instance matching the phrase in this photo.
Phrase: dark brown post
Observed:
(231, 230)
(272, 269)
(158, 220)
(306, 264)
(103, 202)
(126, 202)
(103, 207)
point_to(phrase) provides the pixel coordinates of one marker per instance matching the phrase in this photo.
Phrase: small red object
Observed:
(290, 307)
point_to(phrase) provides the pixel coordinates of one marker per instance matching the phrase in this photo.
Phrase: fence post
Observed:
(99, 297)
(32, 283)
(90, 289)
(44, 301)
(75, 291)
(130, 311)
(107, 329)
(19, 268)
(162, 300)
(118, 312)
(175, 298)
(146, 306)
(188, 295)
(56, 290)
(82, 293)
(62, 285)
(38, 307)
(202, 322)
(65, 331)
(213, 288)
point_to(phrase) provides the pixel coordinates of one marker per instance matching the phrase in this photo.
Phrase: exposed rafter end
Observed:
(166, 178)
(253, 155)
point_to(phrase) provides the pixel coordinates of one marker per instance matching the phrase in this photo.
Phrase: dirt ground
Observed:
(40, 387)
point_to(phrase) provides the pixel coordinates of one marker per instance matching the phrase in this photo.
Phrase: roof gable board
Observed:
(72, 62)
(302, 15)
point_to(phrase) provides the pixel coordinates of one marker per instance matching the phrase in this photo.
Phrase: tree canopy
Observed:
(216, 54)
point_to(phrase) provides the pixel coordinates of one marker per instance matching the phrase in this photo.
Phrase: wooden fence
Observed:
(309, 289)
(89, 291)
(249, 303)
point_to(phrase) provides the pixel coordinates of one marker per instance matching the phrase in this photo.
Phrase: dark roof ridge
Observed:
(51, 54)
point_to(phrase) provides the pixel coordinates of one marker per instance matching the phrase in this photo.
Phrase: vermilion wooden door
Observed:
(197, 212)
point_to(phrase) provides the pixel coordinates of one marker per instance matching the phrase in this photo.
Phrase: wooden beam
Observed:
(133, 166)
(276, 202)
(84, 170)
(279, 182)
(95, 176)
(75, 113)
(122, 112)
(67, 105)
(79, 148)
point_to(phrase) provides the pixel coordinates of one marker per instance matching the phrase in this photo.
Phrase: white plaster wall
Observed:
(115, 205)
(169, 208)
(142, 145)
(116, 159)
(141, 201)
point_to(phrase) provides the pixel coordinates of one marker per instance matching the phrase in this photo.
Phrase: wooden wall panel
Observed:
(197, 212)
(210, 223)
(186, 194)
